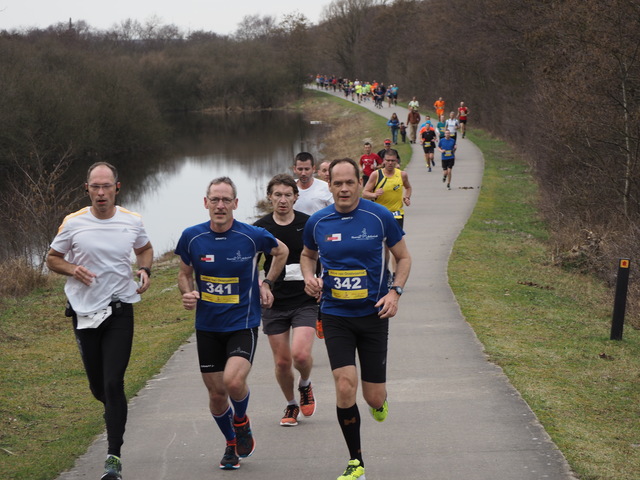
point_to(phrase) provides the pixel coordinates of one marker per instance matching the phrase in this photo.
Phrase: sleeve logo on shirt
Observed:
(207, 258)
(334, 237)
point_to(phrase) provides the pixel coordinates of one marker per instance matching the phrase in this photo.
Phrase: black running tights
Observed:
(105, 352)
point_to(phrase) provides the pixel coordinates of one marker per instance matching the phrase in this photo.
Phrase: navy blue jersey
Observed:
(351, 249)
(448, 145)
(225, 266)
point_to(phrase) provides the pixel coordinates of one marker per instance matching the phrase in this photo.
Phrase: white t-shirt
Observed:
(314, 198)
(452, 125)
(104, 247)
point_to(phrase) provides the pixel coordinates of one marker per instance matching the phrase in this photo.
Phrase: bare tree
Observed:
(253, 27)
(36, 205)
(345, 20)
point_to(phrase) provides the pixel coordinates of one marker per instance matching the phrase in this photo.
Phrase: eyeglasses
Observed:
(107, 186)
(216, 200)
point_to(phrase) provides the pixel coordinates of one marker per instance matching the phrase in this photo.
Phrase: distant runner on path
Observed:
(463, 113)
(447, 147)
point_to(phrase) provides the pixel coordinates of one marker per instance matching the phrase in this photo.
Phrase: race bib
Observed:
(348, 284)
(220, 289)
(397, 214)
(448, 153)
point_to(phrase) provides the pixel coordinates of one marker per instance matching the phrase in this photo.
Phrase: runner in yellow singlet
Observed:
(389, 186)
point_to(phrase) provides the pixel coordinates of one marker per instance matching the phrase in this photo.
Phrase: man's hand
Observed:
(266, 296)
(388, 305)
(190, 299)
(144, 280)
(313, 287)
(83, 274)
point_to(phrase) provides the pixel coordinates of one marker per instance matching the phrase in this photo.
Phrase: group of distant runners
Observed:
(441, 135)
(360, 90)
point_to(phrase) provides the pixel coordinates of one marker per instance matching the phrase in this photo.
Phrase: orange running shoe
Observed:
(290, 418)
(319, 330)
(307, 401)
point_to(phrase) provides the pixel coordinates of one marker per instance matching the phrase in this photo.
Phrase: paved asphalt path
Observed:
(452, 414)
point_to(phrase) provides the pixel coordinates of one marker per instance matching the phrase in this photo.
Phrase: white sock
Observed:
(304, 383)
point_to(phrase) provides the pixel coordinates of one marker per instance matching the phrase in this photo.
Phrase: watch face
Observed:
(398, 290)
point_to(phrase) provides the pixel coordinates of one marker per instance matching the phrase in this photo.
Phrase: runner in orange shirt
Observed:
(439, 106)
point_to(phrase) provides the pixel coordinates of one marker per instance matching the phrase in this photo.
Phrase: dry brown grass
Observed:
(19, 278)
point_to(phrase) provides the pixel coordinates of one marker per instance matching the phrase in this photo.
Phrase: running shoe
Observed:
(444, 179)
(290, 418)
(448, 187)
(245, 443)
(319, 330)
(354, 471)
(307, 401)
(429, 168)
(230, 460)
(112, 468)
(380, 414)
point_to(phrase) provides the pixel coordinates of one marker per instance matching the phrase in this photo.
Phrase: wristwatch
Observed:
(268, 282)
(146, 269)
(398, 289)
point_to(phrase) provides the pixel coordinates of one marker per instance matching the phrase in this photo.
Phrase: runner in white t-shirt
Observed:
(93, 248)
(314, 193)
(452, 125)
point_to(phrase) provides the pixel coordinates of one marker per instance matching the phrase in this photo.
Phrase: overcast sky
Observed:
(219, 16)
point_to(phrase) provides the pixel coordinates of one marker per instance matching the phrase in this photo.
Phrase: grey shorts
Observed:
(275, 322)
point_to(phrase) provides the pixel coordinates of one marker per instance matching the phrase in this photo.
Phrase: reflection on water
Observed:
(248, 148)
(168, 188)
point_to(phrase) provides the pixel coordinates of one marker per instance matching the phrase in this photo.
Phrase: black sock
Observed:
(349, 420)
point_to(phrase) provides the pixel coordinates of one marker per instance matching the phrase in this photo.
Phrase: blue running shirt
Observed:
(225, 266)
(351, 249)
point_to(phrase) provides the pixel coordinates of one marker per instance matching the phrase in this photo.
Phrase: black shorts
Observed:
(400, 221)
(369, 335)
(463, 121)
(275, 322)
(449, 163)
(428, 149)
(215, 348)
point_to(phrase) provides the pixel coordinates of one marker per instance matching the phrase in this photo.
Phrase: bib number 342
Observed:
(348, 284)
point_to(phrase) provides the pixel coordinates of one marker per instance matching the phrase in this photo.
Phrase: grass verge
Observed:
(546, 327)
